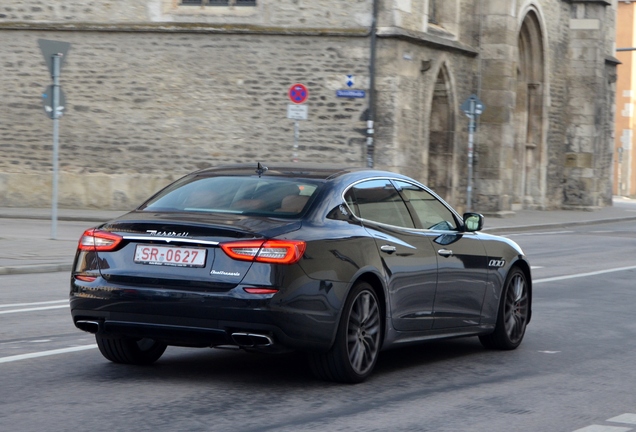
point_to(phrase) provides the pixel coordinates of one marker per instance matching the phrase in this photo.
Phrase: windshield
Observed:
(240, 195)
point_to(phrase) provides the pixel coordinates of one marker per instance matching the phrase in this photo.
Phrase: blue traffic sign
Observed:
(351, 93)
(473, 106)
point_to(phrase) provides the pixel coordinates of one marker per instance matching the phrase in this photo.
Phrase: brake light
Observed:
(266, 251)
(96, 240)
(85, 278)
(260, 290)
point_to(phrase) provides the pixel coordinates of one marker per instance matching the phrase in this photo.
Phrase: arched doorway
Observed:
(441, 137)
(528, 183)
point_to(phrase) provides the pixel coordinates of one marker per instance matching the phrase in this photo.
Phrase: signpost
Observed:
(473, 107)
(298, 94)
(54, 53)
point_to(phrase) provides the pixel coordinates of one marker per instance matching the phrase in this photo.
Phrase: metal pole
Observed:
(56, 132)
(371, 117)
(471, 143)
(296, 133)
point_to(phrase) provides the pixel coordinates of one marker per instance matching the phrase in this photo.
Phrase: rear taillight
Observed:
(96, 240)
(260, 290)
(85, 278)
(266, 251)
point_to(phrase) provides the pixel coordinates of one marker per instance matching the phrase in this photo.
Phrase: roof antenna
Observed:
(260, 169)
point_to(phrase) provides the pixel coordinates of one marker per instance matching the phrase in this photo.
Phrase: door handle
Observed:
(388, 249)
(445, 252)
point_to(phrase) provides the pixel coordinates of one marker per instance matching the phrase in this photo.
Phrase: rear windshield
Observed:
(239, 195)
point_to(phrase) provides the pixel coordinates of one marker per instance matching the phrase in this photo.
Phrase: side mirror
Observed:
(473, 222)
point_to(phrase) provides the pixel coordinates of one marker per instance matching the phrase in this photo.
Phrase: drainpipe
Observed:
(371, 116)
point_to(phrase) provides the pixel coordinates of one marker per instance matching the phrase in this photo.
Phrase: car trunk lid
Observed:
(181, 251)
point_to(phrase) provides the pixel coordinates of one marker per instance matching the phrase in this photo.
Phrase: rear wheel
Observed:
(129, 350)
(355, 351)
(512, 317)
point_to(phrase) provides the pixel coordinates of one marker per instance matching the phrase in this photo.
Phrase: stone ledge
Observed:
(184, 28)
(426, 39)
(601, 2)
(83, 191)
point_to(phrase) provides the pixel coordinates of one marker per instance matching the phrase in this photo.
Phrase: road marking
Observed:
(32, 304)
(627, 418)
(550, 352)
(33, 309)
(535, 267)
(580, 275)
(45, 353)
(599, 428)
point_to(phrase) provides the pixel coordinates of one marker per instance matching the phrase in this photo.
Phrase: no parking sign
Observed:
(298, 93)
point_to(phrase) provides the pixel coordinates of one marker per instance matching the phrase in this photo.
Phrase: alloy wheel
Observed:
(516, 308)
(363, 332)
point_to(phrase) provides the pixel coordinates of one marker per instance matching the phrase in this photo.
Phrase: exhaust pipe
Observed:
(252, 340)
(88, 326)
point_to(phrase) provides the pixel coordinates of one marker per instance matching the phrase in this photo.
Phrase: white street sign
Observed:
(297, 112)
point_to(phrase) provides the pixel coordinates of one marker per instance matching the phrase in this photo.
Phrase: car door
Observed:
(462, 267)
(407, 255)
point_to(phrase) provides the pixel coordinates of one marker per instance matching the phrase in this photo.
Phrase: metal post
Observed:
(371, 118)
(296, 134)
(471, 138)
(56, 132)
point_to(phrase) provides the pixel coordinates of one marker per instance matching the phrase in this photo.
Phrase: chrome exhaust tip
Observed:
(88, 326)
(252, 340)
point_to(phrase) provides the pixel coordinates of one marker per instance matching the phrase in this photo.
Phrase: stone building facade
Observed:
(624, 157)
(158, 88)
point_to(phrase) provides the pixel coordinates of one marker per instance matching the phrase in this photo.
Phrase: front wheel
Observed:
(358, 339)
(513, 314)
(129, 350)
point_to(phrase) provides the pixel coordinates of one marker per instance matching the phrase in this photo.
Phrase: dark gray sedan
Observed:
(338, 263)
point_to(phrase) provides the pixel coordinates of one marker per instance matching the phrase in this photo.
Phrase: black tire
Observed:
(358, 340)
(513, 313)
(130, 351)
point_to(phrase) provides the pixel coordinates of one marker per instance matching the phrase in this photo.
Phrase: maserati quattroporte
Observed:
(338, 263)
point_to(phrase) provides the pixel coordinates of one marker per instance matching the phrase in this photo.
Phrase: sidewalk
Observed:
(624, 209)
(26, 245)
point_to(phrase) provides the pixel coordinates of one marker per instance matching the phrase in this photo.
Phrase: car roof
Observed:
(314, 171)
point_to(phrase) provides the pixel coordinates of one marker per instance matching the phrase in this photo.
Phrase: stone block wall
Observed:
(154, 103)
(155, 89)
(272, 13)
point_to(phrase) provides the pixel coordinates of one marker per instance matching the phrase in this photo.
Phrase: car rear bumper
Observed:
(203, 319)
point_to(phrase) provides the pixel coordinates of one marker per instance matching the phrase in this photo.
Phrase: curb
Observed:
(35, 268)
(90, 219)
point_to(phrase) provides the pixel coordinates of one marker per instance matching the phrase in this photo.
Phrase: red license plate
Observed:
(170, 255)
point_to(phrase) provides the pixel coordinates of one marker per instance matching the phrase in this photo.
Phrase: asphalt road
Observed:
(573, 372)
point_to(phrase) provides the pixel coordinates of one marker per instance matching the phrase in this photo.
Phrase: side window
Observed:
(379, 201)
(431, 213)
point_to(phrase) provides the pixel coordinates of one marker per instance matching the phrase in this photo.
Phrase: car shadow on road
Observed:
(198, 366)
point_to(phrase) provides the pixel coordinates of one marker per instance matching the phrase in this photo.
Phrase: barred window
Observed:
(218, 2)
